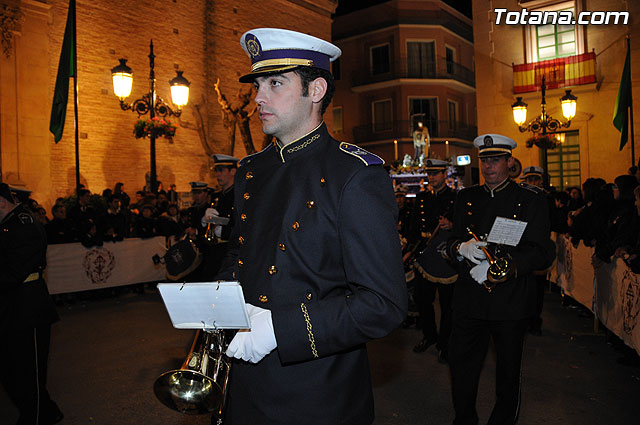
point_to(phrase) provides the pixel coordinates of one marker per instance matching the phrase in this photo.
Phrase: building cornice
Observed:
(344, 29)
(451, 83)
(324, 8)
(405, 26)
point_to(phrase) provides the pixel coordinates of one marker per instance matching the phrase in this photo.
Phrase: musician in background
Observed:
(26, 313)
(431, 222)
(225, 168)
(504, 312)
(196, 230)
(534, 177)
(315, 248)
(404, 210)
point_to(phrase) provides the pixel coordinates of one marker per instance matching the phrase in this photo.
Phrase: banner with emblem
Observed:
(574, 271)
(72, 267)
(612, 291)
(617, 301)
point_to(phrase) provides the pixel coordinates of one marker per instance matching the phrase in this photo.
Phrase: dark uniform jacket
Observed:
(477, 208)
(23, 249)
(59, 231)
(316, 243)
(429, 207)
(224, 205)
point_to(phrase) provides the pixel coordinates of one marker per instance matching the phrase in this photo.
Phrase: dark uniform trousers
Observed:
(428, 208)
(425, 295)
(316, 243)
(468, 348)
(26, 314)
(503, 314)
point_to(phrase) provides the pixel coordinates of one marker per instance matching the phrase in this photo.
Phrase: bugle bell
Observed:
(200, 385)
(500, 269)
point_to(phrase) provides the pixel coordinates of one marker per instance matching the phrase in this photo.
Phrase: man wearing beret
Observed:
(315, 248)
(26, 313)
(482, 308)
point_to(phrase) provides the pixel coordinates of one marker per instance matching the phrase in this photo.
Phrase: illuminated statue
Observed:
(421, 143)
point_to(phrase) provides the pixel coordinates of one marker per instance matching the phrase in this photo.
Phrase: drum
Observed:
(430, 262)
(181, 259)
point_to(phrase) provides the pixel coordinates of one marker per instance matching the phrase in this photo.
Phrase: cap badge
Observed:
(488, 141)
(253, 45)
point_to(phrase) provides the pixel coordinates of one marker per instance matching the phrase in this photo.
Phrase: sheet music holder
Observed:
(205, 305)
(223, 221)
(506, 231)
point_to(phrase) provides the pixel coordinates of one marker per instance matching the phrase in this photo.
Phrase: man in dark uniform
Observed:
(196, 230)
(26, 313)
(504, 312)
(431, 222)
(533, 177)
(219, 218)
(315, 248)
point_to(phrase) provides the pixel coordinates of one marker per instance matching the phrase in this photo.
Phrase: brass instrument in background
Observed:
(200, 385)
(500, 269)
(210, 237)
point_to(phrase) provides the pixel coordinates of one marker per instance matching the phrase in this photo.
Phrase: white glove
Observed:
(208, 216)
(479, 272)
(472, 251)
(253, 345)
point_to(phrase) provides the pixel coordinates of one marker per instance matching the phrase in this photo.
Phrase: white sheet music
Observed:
(506, 231)
(205, 305)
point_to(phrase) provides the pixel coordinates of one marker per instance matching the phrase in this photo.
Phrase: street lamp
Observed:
(544, 124)
(150, 103)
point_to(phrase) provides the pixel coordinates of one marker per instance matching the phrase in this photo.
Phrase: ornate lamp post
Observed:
(150, 103)
(544, 124)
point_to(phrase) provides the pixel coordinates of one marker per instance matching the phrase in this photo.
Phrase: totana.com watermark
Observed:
(559, 17)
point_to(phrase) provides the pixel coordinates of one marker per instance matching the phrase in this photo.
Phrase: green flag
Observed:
(623, 101)
(66, 70)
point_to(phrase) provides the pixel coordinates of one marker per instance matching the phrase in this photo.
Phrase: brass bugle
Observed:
(200, 385)
(500, 269)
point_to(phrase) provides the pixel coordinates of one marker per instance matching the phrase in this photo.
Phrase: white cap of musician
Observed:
(493, 145)
(275, 50)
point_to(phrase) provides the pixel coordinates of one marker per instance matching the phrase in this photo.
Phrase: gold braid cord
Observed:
(312, 340)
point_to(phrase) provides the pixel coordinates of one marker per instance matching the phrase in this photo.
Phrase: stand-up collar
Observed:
(441, 190)
(498, 188)
(301, 145)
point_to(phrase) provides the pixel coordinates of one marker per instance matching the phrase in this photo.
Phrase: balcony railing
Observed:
(402, 129)
(439, 68)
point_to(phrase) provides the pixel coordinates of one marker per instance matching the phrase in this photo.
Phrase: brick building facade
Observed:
(199, 37)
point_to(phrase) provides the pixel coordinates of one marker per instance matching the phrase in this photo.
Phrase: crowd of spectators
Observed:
(602, 215)
(94, 219)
